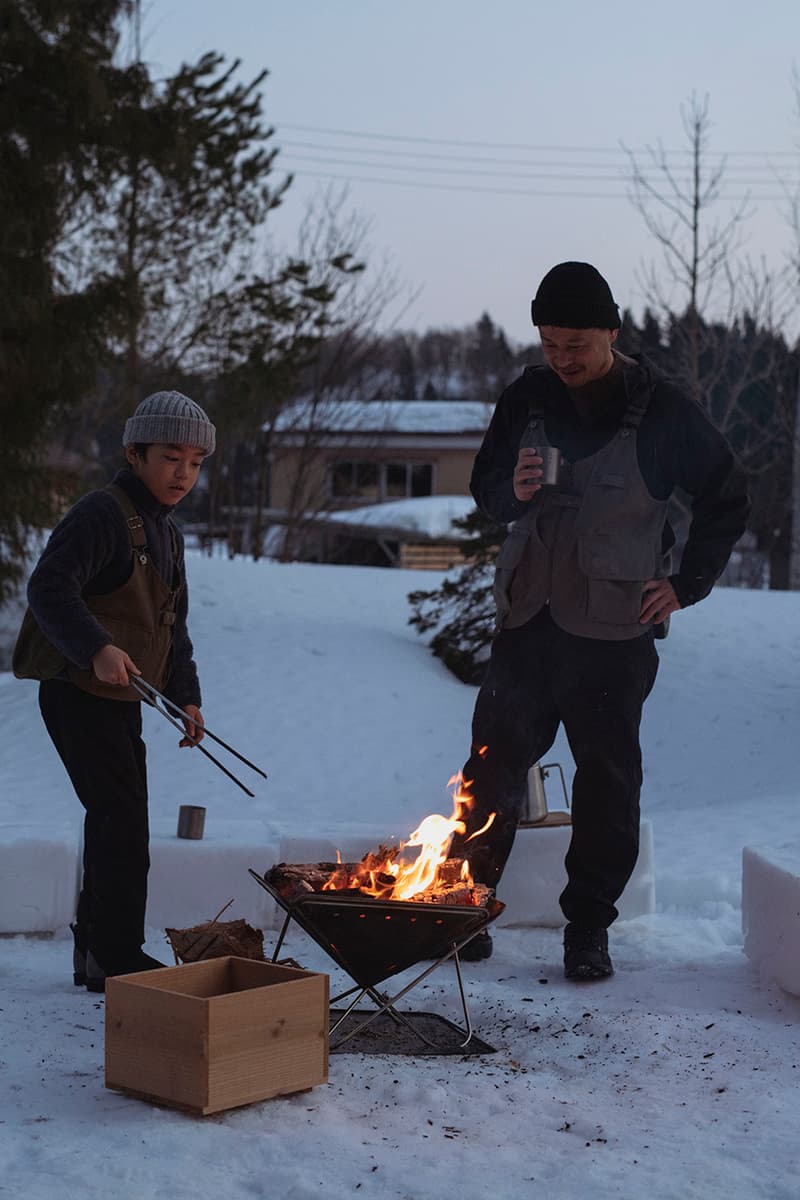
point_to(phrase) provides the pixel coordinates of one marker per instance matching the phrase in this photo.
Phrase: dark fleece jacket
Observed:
(89, 554)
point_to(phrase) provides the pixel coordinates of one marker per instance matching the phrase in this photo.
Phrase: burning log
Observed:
(294, 880)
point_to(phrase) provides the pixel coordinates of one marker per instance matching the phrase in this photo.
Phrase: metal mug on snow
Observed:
(191, 821)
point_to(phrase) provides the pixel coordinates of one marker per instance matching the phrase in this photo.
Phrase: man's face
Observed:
(577, 355)
(169, 472)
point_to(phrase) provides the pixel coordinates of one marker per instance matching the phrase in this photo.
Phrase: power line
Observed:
(477, 172)
(496, 191)
(546, 148)
(439, 157)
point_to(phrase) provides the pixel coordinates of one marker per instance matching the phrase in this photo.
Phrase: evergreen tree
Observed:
(191, 188)
(57, 87)
(460, 613)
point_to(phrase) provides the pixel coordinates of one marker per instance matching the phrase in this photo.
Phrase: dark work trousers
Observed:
(539, 677)
(99, 742)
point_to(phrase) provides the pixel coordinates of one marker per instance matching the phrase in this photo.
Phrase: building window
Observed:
(421, 479)
(396, 480)
(369, 481)
(341, 479)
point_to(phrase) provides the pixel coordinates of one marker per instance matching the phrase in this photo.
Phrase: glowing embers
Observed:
(390, 873)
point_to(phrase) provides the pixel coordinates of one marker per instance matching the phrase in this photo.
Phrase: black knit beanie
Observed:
(574, 295)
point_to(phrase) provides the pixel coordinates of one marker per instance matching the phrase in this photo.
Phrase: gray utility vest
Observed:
(139, 616)
(586, 545)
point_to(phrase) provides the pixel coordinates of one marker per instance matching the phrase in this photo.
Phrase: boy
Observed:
(108, 600)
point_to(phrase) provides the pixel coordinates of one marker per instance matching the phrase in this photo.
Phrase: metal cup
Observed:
(536, 798)
(191, 821)
(551, 465)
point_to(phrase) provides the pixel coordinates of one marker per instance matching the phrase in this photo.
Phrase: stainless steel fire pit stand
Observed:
(315, 913)
(386, 1004)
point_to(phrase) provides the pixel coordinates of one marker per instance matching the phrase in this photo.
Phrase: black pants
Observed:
(99, 742)
(539, 677)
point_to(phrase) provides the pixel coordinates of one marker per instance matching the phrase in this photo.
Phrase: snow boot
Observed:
(479, 948)
(96, 975)
(586, 953)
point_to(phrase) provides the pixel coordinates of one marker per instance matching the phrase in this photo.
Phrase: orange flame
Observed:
(384, 874)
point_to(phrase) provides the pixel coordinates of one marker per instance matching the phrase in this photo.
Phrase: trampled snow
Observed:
(678, 1077)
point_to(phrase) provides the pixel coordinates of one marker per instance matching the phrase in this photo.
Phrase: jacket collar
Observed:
(142, 497)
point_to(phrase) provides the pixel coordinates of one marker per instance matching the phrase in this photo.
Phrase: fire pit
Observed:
(390, 912)
(373, 939)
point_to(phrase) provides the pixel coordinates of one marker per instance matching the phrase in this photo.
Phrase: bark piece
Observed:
(216, 939)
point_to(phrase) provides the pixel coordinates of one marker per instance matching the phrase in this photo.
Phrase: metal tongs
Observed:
(162, 705)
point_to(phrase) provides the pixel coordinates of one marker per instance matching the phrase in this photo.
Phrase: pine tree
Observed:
(460, 613)
(57, 87)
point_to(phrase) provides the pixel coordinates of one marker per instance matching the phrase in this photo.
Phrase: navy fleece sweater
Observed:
(89, 554)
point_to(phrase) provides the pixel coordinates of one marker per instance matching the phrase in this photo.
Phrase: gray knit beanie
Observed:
(172, 418)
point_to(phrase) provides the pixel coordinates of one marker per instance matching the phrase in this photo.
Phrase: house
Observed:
(337, 456)
(365, 452)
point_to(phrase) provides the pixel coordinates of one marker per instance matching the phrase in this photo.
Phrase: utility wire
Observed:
(439, 157)
(620, 176)
(554, 148)
(497, 191)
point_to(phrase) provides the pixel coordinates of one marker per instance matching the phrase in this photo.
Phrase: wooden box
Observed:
(216, 1034)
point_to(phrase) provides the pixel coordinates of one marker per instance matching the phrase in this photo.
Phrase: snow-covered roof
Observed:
(431, 516)
(387, 416)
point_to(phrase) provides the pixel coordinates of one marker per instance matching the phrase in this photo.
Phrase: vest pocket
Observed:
(609, 556)
(133, 639)
(613, 601)
(506, 563)
(616, 570)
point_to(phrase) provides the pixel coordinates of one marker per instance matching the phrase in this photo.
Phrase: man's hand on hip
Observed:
(658, 601)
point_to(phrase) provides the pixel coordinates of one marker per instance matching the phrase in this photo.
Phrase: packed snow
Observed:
(677, 1077)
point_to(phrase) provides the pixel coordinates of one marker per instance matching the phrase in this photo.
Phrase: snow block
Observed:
(38, 878)
(771, 912)
(534, 878)
(190, 880)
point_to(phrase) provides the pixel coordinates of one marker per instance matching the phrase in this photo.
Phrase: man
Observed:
(584, 583)
(108, 602)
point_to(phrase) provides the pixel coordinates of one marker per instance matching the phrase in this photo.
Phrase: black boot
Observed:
(78, 956)
(586, 953)
(96, 975)
(479, 948)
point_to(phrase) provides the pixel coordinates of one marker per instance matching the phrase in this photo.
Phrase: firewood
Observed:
(292, 879)
(216, 939)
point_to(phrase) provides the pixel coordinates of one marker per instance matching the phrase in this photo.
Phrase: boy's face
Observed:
(169, 472)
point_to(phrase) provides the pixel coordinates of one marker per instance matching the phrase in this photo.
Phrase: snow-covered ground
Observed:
(677, 1078)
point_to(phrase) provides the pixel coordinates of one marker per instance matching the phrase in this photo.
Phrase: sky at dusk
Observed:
(485, 143)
